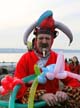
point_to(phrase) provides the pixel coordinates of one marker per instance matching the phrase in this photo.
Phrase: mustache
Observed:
(44, 45)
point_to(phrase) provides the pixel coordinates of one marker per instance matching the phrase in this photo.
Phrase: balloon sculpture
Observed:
(50, 72)
(56, 71)
(8, 83)
(57, 25)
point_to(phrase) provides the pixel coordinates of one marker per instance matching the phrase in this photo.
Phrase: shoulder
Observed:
(27, 54)
(30, 55)
(53, 56)
(53, 53)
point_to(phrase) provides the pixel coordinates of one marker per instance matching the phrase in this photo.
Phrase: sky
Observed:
(17, 15)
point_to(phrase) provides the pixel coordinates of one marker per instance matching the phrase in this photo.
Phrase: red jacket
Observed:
(25, 67)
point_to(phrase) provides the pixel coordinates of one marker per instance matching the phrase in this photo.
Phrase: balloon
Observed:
(32, 93)
(37, 70)
(17, 81)
(42, 77)
(56, 71)
(8, 83)
(59, 67)
(27, 33)
(59, 70)
(34, 86)
(3, 91)
(36, 23)
(65, 30)
(45, 15)
(57, 25)
(73, 75)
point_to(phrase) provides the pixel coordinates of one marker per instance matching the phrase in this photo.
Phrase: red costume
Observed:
(75, 69)
(25, 67)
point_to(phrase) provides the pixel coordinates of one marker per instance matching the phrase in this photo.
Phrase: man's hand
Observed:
(61, 96)
(49, 98)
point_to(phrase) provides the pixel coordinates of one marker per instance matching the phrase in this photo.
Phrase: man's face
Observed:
(44, 42)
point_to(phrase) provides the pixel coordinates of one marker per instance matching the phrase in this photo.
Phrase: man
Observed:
(42, 55)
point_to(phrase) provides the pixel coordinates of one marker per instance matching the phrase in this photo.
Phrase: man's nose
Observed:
(44, 40)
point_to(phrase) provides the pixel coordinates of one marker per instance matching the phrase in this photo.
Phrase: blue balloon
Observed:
(44, 15)
(42, 77)
(50, 68)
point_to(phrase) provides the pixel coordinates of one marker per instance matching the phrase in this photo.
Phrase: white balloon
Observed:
(59, 70)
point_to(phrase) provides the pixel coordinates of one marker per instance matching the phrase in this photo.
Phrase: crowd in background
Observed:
(74, 64)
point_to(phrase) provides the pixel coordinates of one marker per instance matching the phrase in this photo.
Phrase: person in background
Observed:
(66, 61)
(74, 65)
(42, 55)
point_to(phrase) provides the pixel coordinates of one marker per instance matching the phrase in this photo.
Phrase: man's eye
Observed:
(47, 38)
(41, 38)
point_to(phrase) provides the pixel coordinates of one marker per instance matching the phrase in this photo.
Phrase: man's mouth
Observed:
(44, 49)
(44, 45)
